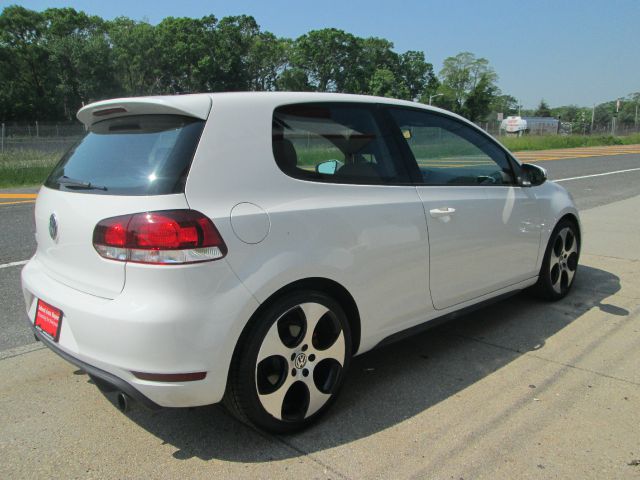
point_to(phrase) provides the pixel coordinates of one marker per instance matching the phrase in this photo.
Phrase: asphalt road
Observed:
(601, 190)
(17, 242)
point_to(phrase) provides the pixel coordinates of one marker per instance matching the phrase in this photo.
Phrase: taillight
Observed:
(163, 237)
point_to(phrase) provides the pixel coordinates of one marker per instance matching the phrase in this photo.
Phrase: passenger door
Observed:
(355, 213)
(484, 229)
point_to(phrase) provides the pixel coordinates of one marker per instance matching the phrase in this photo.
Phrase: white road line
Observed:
(13, 264)
(597, 175)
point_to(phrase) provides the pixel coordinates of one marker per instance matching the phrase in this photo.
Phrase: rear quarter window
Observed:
(333, 142)
(133, 155)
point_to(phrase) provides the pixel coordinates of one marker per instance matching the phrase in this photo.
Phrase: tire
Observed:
(560, 263)
(290, 363)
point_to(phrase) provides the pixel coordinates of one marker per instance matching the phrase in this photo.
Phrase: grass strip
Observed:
(20, 168)
(551, 142)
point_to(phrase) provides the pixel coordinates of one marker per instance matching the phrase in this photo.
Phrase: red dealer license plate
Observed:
(48, 320)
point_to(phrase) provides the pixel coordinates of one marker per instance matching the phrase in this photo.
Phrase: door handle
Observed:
(442, 212)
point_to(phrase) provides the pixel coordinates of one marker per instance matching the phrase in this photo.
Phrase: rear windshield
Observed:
(135, 155)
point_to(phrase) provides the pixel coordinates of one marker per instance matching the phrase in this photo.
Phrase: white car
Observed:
(244, 246)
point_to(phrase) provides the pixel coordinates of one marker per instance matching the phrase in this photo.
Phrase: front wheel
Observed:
(291, 363)
(560, 263)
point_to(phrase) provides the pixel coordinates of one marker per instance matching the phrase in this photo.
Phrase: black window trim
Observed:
(411, 163)
(387, 135)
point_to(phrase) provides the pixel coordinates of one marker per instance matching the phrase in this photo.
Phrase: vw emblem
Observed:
(300, 361)
(53, 227)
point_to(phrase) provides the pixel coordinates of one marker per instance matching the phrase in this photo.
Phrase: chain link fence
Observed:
(569, 128)
(54, 138)
(41, 137)
(28, 151)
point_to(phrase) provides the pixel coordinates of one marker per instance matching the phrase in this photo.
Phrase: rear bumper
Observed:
(172, 320)
(113, 381)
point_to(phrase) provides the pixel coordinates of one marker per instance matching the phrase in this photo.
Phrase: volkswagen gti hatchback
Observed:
(245, 246)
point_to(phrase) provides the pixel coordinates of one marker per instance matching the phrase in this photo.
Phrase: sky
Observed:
(563, 51)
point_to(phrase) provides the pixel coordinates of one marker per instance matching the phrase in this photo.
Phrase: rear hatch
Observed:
(128, 162)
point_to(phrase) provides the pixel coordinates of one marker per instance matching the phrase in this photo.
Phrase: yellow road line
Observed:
(546, 159)
(18, 195)
(579, 152)
(569, 154)
(15, 203)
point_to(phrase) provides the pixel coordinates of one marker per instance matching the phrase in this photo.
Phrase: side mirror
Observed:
(328, 168)
(532, 175)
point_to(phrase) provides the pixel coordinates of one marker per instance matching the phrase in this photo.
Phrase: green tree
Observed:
(459, 77)
(267, 59)
(478, 102)
(603, 114)
(581, 122)
(628, 106)
(579, 117)
(384, 84)
(505, 104)
(27, 83)
(334, 60)
(368, 56)
(136, 56)
(187, 49)
(80, 56)
(326, 56)
(543, 109)
(293, 80)
(232, 64)
(416, 74)
(568, 113)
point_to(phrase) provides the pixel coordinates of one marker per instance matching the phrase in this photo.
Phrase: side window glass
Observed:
(331, 142)
(449, 152)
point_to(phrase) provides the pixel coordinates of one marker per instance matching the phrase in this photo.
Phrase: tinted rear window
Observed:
(135, 155)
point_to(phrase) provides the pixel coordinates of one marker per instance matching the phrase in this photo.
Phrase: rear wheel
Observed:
(560, 262)
(291, 363)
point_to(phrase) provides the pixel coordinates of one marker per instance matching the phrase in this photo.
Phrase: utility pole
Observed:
(593, 116)
(614, 120)
(635, 121)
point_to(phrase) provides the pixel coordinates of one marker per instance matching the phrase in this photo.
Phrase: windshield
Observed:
(135, 155)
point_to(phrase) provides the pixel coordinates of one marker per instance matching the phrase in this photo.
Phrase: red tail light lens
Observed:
(116, 235)
(163, 237)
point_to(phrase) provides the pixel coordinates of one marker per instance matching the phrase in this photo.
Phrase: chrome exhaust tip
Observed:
(124, 402)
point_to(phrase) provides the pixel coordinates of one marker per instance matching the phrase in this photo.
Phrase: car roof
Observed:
(198, 105)
(291, 97)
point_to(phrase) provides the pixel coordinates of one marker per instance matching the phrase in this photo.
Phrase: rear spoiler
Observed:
(197, 106)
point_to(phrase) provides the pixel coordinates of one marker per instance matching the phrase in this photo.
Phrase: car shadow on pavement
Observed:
(392, 384)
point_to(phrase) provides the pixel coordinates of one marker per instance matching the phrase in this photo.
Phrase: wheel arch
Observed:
(571, 217)
(330, 287)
